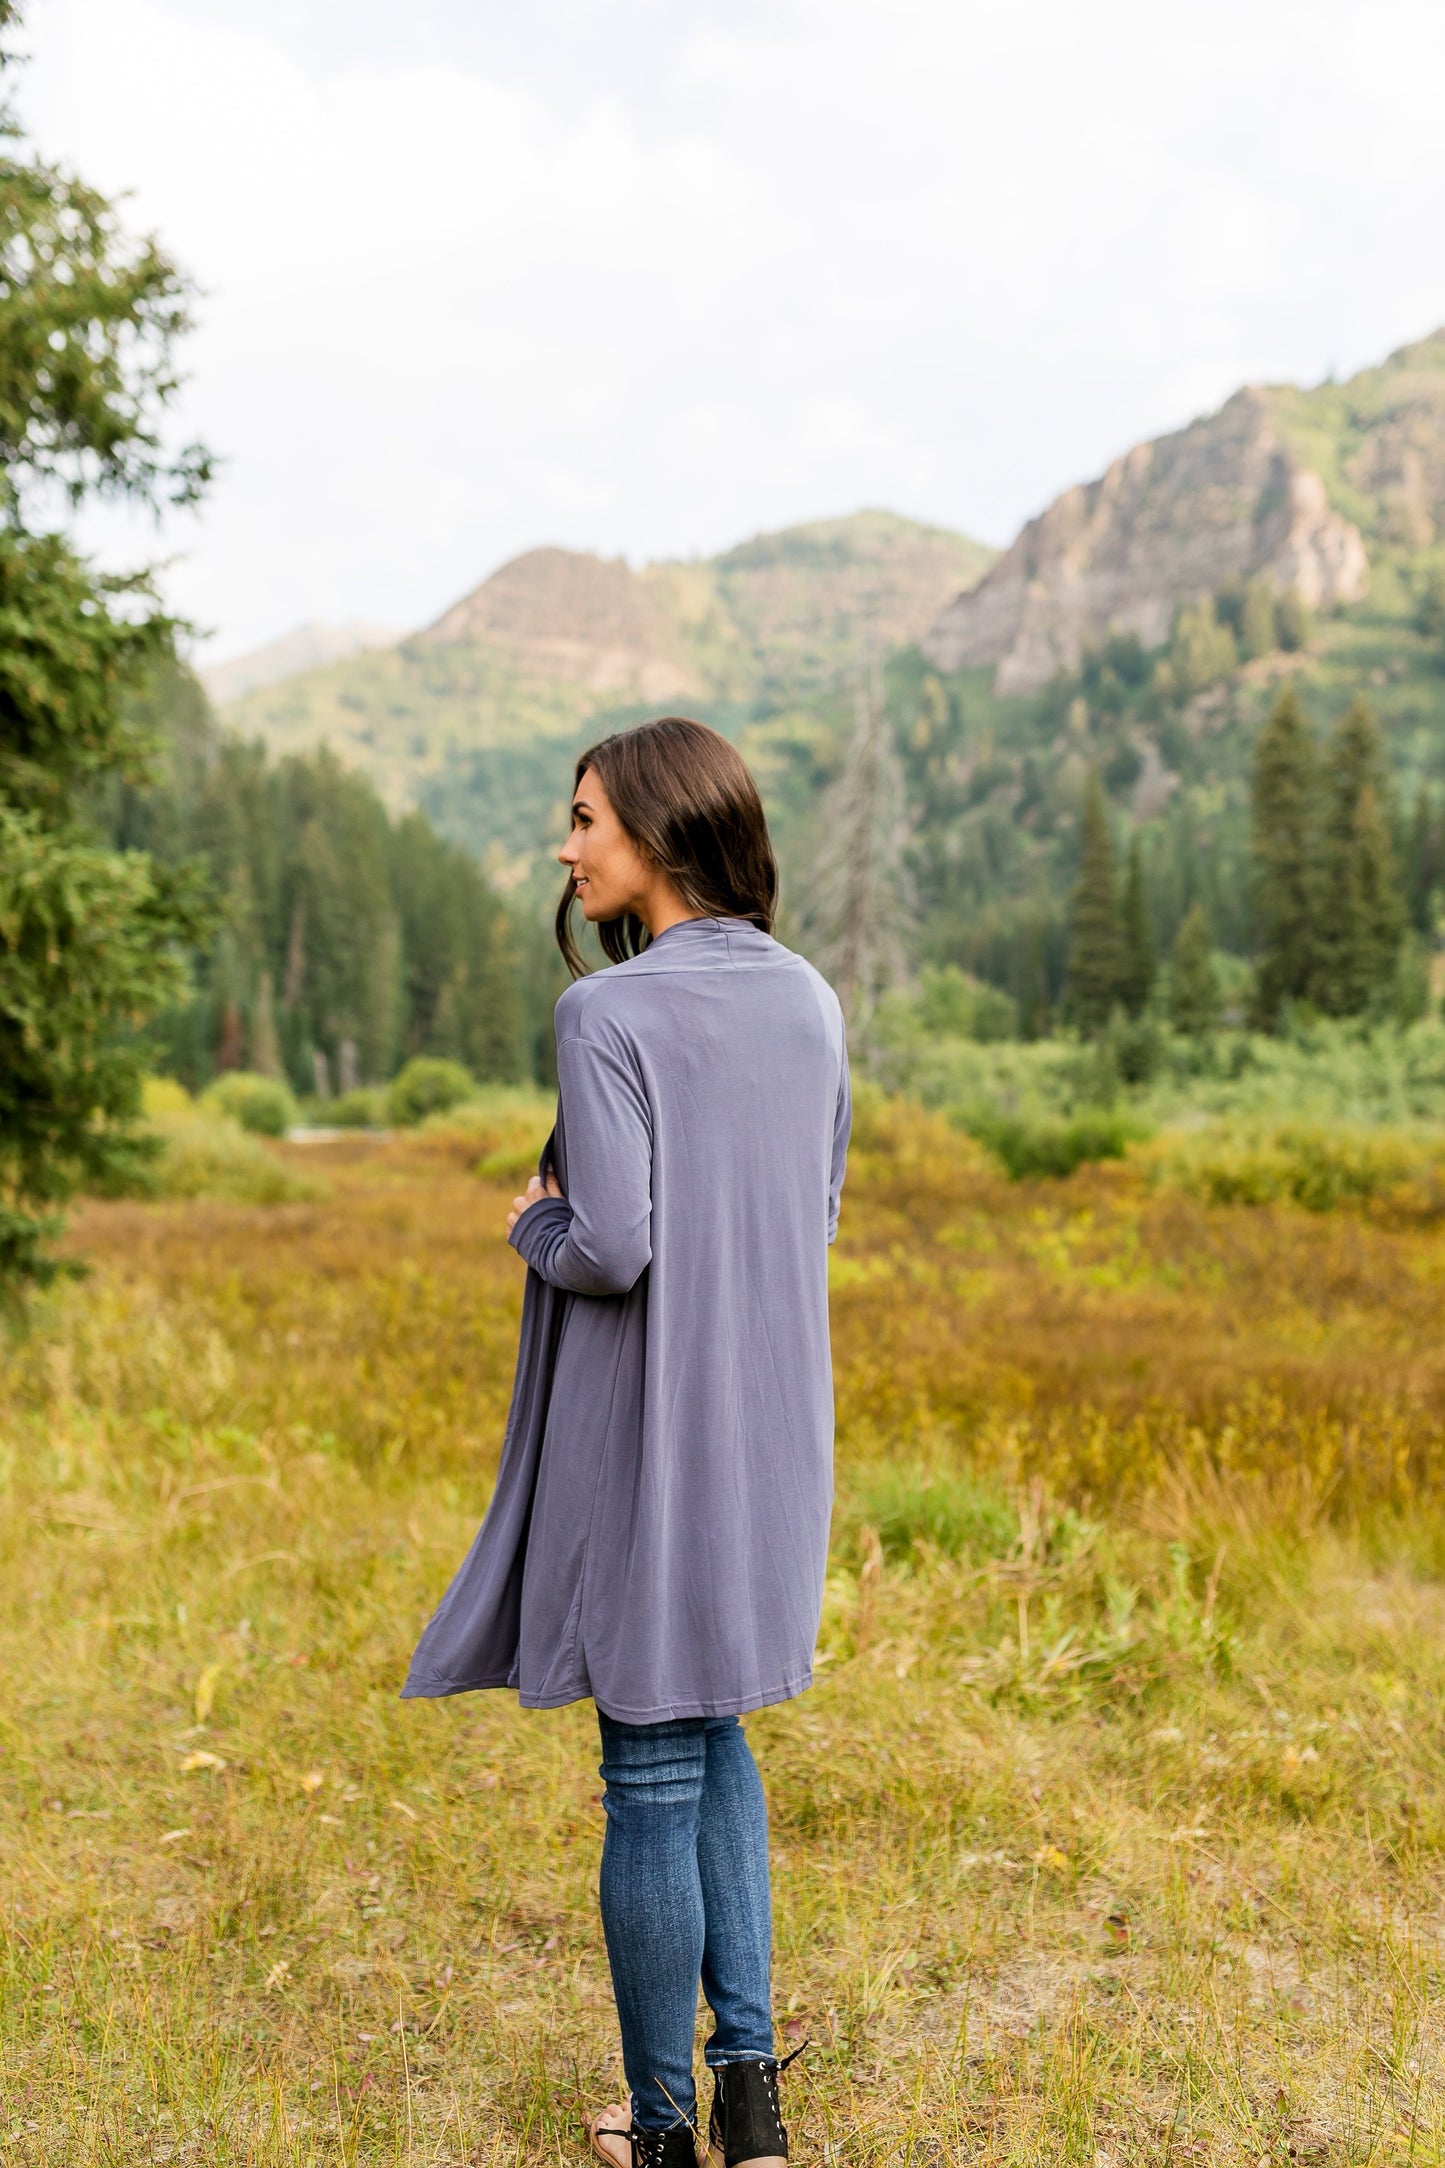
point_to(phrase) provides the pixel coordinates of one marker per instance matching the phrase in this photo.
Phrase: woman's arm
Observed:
(597, 1240)
(842, 1124)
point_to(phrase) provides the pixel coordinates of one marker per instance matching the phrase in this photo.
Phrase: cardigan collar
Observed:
(696, 942)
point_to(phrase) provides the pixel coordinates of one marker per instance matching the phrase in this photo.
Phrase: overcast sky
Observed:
(646, 276)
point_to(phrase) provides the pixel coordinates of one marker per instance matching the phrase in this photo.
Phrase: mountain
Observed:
(1173, 520)
(586, 621)
(474, 717)
(1298, 485)
(304, 649)
(1125, 634)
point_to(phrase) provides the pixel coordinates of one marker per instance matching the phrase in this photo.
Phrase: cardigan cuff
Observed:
(539, 1227)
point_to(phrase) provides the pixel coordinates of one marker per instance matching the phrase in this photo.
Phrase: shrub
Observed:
(949, 1003)
(500, 1132)
(896, 1135)
(1053, 1145)
(206, 1154)
(164, 1095)
(427, 1085)
(259, 1103)
(1137, 1044)
(364, 1109)
(1318, 1167)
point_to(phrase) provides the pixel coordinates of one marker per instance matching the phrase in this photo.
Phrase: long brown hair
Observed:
(688, 801)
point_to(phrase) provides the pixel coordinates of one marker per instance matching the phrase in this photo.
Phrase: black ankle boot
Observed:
(747, 2119)
(675, 2148)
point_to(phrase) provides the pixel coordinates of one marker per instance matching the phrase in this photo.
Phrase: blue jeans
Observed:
(685, 1897)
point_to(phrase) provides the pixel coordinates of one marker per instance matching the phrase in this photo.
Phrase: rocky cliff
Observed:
(1174, 519)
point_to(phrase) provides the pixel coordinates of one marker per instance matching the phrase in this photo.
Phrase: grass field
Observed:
(1112, 1832)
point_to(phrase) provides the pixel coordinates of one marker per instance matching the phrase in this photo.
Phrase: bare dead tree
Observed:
(857, 914)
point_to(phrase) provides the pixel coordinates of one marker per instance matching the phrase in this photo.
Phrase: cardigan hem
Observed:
(674, 1712)
(437, 1689)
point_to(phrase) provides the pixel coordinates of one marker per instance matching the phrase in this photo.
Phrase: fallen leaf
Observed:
(277, 1973)
(312, 1781)
(200, 1759)
(173, 1836)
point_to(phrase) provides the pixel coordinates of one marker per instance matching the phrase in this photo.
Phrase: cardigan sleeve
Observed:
(842, 1124)
(597, 1240)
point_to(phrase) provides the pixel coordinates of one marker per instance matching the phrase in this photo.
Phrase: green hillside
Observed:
(1378, 443)
(478, 729)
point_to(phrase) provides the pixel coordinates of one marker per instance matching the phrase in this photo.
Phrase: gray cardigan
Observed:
(659, 1527)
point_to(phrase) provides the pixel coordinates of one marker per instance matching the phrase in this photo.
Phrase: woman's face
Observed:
(609, 872)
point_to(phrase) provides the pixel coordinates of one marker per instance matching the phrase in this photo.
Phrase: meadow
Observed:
(1111, 1832)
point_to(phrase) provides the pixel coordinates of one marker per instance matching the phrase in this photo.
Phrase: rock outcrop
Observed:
(1173, 520)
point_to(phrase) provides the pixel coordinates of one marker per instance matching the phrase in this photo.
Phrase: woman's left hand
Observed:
(537, 1189)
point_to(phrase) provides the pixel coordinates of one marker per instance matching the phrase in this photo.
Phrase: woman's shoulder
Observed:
(600, 1007)
(633, 998)
(579, 1006)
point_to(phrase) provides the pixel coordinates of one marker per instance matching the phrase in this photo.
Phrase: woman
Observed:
(658, 1533)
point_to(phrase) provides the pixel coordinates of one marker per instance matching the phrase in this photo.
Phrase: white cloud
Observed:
(949, 256)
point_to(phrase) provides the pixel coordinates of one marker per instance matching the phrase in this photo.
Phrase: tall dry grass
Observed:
(1111, 1832)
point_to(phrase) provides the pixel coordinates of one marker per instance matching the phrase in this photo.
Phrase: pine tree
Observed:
(1201, 649)
(1193, 979)
(265, 1051)
(1097, 956)
(1423, 861)
(1281, 851)
(1258, 631)
(91, 938)
(1294, 621)
(498, 1047)
(1137, 982)
(1032, 982)
(1360, 913)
